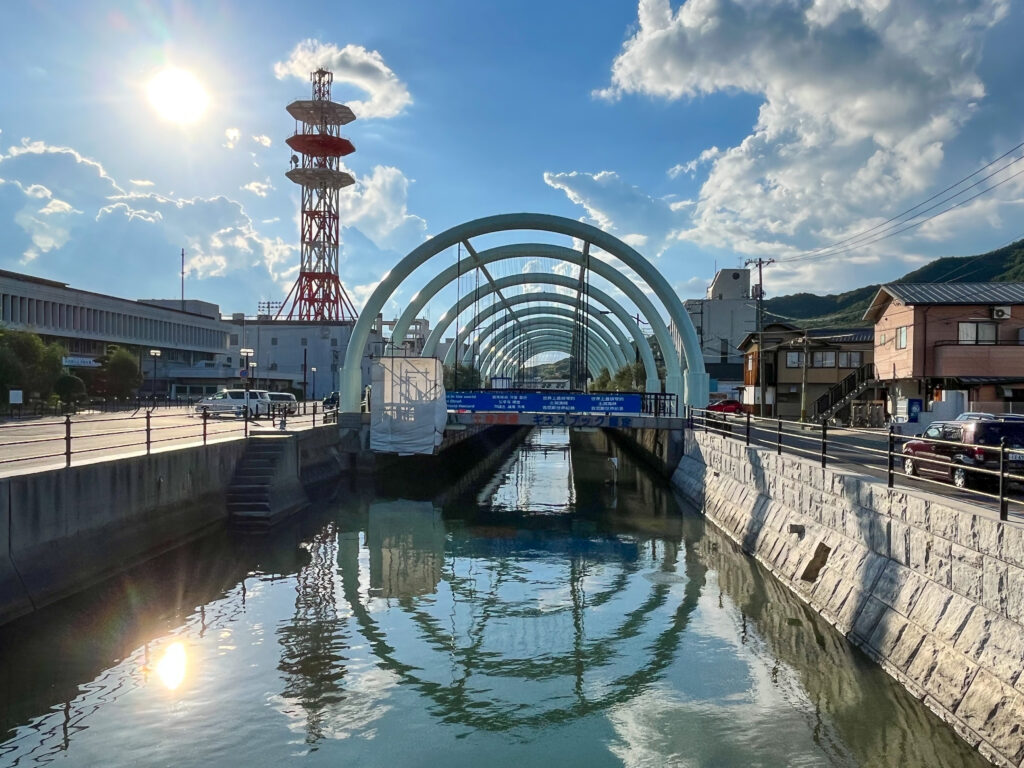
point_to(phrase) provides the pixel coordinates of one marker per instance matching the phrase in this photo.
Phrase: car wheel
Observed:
(960, 477)
(909, 466)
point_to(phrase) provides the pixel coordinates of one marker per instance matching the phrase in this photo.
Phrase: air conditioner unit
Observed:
(1000, 313)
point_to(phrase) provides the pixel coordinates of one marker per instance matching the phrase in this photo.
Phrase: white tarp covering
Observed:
(408, 411)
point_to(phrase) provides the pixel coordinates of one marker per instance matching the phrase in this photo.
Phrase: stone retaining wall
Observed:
(933, 594)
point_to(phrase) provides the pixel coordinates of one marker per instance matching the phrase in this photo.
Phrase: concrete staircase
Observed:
(254, 498)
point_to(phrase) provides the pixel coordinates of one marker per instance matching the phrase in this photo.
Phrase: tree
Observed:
(603, 381)
(69, 388)
(122, 373)
(460, 376)
(12, 374)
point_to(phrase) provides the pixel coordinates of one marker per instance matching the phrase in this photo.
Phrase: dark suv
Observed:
(331, 401)
(952, 449)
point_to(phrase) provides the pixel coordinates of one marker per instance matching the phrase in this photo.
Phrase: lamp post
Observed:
(252, 371)
(313, 371)
(154, 353)
(247, 353)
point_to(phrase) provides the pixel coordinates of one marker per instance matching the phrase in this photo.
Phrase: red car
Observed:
(726, 406)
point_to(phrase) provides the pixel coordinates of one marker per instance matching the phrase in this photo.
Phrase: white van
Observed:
(233, 402)
(284, 402)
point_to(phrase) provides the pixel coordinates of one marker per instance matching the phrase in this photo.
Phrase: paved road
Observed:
(31, 445)
(865, 452)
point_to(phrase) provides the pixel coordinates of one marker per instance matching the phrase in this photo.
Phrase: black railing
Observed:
(980, 472)
(35, 444)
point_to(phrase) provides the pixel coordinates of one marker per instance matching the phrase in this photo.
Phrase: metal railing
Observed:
(43, 443)
(978, 473)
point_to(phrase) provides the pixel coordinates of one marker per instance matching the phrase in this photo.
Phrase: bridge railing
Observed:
(980, 474)
(33, 444)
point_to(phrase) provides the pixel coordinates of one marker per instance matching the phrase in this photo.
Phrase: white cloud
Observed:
(376, 205)
(140, 182)
(259, 188)
(353, 65)
(262, 140)
(231, 136)
(860, 101)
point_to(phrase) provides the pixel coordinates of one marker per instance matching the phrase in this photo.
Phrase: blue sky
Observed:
(702, 133)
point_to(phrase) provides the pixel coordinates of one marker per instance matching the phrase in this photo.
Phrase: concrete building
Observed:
(722, 320)
(932, 339)
(189, 336)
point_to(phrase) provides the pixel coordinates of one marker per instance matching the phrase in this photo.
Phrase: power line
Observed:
(850, 242)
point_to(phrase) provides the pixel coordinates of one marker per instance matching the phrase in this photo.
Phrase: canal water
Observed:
(558, 611)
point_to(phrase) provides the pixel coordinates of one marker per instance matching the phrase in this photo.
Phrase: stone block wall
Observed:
(934, 594)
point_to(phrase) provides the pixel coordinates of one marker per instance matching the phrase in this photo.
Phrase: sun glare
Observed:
(171, 668)
(177, 96)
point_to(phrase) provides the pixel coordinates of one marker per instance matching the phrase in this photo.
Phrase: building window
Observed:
(851, 359)
(881, 340)
(901, 337)
(794, 359)
(823, 359)
(977, 333)
(750, 362)
(234, 339)
(273, 341)
(334, 342)
(303, 341)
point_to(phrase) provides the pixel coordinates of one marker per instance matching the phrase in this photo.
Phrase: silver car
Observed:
(235, 402)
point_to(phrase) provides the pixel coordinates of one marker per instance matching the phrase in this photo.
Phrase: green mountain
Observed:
(1004, 265)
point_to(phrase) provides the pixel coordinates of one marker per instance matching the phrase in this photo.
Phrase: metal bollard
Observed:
(314, 414)
(1003, 512)
(148, 436)
(67, 440)
(748, 428)
(779, 438)
(889, 479)
(206, 418)
(824, 443)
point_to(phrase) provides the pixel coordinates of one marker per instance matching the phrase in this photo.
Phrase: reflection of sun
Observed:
(171, 668)
(177, 96)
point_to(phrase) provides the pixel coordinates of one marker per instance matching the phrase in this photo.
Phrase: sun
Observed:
(178, 96)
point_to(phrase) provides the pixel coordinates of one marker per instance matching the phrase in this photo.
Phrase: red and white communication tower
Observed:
(318, 293)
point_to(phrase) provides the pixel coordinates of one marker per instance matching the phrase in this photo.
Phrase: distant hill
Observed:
(1004, 265)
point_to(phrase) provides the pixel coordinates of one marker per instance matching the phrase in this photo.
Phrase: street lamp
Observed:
(313, 371)
(252, 371)
(154, 353)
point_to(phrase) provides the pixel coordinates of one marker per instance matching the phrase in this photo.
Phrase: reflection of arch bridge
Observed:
(513, 336)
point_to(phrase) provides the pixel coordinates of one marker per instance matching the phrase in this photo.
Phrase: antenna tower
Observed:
(318, 293)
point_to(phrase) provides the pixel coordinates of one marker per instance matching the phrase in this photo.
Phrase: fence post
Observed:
(891, 458)
(779, 439)
(247, 417)
(148, 436)
(1002, 479)
(748, 428)
(314, 414)
(824, 443)
(206, 418)
(67, 440)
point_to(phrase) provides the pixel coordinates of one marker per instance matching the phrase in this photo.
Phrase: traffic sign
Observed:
(243, 373)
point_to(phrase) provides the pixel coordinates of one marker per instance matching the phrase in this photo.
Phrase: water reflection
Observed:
(592, 624)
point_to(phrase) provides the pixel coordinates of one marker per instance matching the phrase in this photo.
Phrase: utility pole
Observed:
(803, 379)
(761, 263)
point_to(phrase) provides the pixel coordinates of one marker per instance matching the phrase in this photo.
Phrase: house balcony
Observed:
(951, 359)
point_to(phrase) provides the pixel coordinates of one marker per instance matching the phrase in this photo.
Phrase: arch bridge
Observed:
(533, 312)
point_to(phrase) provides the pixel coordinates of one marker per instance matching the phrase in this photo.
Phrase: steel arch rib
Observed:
(613, 335)
(694, 390)
(559, 252)
(532, 328)
(602, 344)
(544, 340)
(545, 343)
(602, 298)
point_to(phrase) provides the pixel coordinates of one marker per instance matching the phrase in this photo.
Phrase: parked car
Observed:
(284, 402)
(234, 402)
(726, 406)
(954, 450)
(975, 416)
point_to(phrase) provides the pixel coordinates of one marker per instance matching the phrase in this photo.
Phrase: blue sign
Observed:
(543, 402)
(914, 407)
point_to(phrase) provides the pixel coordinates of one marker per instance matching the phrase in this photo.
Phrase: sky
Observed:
(703, 133)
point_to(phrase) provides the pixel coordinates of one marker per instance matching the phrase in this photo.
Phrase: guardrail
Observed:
(980, 471)
(142, 431)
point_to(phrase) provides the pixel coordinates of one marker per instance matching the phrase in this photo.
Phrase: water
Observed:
(544, 617)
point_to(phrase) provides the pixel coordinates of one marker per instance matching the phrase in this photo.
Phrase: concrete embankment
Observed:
(934, 594)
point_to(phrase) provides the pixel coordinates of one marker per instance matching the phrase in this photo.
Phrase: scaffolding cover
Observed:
(408, 411)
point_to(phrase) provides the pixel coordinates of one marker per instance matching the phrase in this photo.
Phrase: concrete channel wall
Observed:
(935, 595)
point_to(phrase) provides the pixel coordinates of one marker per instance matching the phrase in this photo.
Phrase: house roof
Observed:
(916, 294)
(820, 336)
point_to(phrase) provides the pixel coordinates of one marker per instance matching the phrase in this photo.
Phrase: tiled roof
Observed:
(957, 293)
